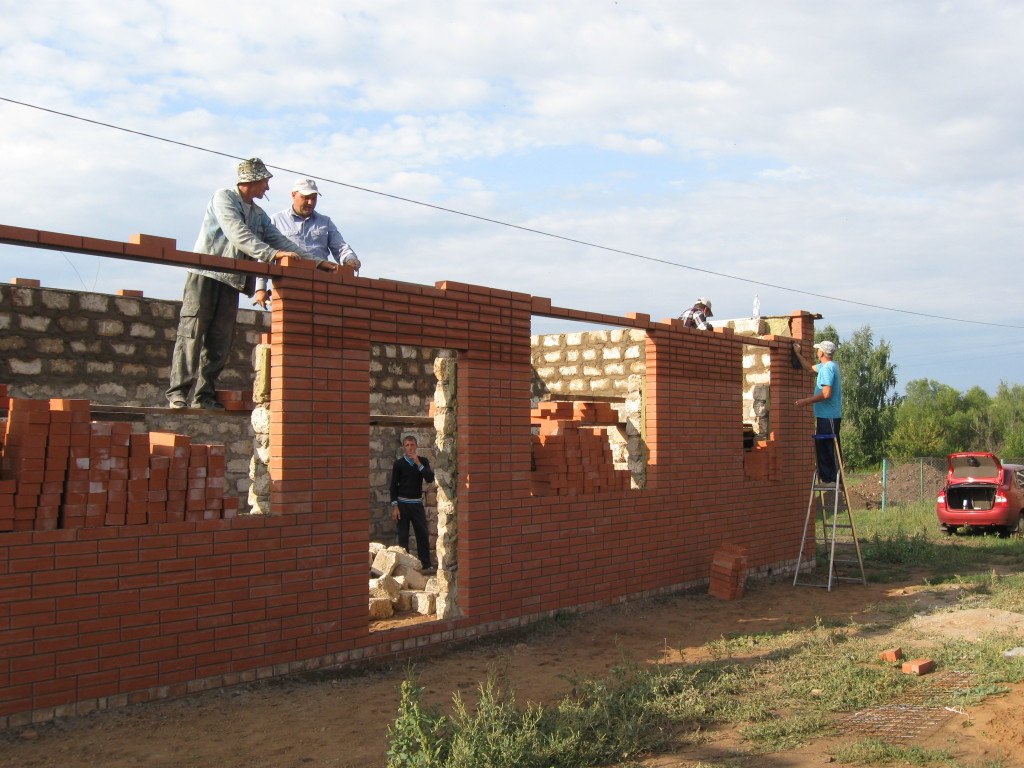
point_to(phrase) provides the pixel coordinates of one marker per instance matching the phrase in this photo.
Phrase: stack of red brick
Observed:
(763, 461)
(571, 454)
(234, 399)
(59, 469)
(728, 572)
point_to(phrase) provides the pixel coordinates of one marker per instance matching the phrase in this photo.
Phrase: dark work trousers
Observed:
(828, 463)
(417, 515)
(205, 331)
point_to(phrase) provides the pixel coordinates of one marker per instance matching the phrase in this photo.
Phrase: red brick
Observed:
(893, 654)
(918, 666)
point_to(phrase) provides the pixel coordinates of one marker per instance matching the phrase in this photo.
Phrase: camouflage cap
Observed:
(252, 169)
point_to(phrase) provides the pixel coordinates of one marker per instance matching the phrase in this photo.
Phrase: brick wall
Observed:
(91, 618)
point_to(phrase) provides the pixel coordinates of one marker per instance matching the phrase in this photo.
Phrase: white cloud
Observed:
(867, 151)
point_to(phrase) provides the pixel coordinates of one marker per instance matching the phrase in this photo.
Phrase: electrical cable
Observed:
(519, 227)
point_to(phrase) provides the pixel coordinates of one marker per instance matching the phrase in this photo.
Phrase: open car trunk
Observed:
(971, 496)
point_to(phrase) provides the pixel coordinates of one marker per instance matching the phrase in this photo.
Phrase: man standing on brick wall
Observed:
(407, 477)
(236, 228)
(313, 231)
(697, 315)
(828, 406)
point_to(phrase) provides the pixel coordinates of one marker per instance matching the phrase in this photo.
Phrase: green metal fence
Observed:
(916, 480)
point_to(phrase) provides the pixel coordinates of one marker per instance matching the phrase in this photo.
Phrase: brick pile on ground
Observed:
(728, 572)
(60, 469)
(397, 583)
(571, 455)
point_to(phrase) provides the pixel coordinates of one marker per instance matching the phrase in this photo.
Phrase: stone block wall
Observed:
(594, 363)
(111, 350)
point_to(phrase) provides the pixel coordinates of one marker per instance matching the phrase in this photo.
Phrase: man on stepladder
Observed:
(828, 406)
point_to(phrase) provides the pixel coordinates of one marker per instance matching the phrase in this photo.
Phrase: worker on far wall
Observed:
(697, 315)
(313, 231)
(828, 406)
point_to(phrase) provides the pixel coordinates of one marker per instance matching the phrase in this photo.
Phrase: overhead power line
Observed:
(510, 225)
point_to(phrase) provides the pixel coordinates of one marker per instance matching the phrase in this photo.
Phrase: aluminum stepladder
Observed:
(837, 536)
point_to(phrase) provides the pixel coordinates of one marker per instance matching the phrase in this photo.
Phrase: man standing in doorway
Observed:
(828, 407)
(407, 477)
(236, 228)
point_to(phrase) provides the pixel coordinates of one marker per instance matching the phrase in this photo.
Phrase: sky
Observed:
(862, 160)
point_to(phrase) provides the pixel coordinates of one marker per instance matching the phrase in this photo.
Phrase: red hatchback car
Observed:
(981, 491)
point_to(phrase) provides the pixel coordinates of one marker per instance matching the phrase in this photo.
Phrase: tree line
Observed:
(930, 419)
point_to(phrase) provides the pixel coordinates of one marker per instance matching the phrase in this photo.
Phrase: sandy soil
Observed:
(341, 720)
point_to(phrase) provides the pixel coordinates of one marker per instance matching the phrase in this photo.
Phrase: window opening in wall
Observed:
(756, 388)
(757, 436)
(412, 395)
(587, 412)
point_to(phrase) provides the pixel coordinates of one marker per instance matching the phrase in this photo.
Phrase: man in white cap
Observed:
(236, 228)
(828, 407)
(313, 231)
(697, 315)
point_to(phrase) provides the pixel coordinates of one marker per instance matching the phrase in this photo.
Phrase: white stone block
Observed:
(423, 603)
(404, 558)
(381, 608)
(385, 562)
(413, 578)
(385, 586)
(404, 601)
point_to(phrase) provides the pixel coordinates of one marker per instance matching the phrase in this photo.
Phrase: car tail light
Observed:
(1000, 499)
(941, 499)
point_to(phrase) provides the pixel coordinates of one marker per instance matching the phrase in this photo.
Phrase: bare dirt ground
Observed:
(905, 484)
(337, 720)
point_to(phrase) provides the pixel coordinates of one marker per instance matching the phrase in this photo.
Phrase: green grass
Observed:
(778, 690)
(779, 700)
(908, 537)
(878, 752)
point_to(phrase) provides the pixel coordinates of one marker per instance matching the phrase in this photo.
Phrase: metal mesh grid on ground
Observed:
(910, 715)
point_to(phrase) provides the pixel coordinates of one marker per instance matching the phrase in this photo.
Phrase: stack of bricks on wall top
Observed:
(59, 469)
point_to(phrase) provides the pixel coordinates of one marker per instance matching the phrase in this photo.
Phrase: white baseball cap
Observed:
(305, 187)
(707, 303)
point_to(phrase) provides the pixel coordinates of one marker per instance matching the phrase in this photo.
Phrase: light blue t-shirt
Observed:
(828, 376)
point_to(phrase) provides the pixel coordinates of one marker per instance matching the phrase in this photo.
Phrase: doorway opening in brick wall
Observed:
(587, 412)
(412, 395)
